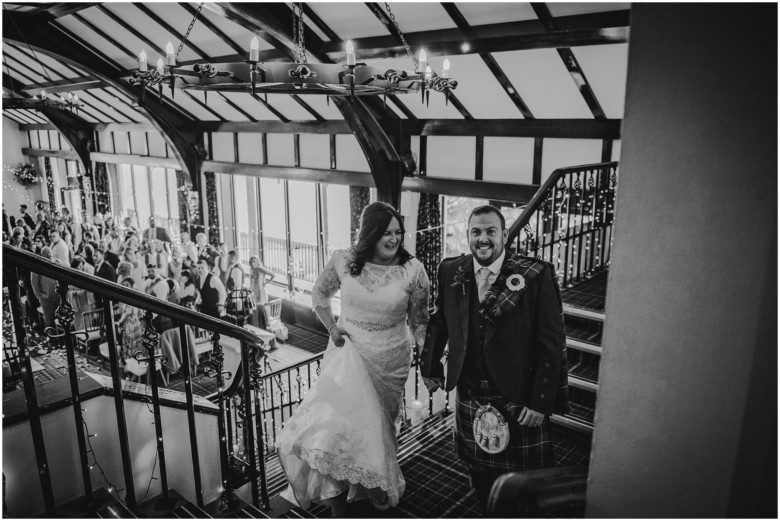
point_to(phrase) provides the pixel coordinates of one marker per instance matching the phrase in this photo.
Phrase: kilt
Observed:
(529, 447)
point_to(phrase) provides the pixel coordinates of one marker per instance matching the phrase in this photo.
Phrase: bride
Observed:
(340, 444)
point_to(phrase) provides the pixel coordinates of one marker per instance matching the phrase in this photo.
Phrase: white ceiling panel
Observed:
(605, 67)
(575, 8)
(349, 20)
(482, 13)
(289, 107)
(252, 106)
(107, 49)
(478, 89)
(419, 16)
(179, 19)
(541, 79)
(324, 108)
(237, 33)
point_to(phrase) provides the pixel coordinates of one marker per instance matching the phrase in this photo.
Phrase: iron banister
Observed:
(541, 194)
(118, 293)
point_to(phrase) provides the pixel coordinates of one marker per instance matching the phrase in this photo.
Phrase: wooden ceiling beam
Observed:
(60, 44)
(65, 85)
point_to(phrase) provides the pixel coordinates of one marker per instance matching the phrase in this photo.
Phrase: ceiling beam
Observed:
(573, 31)
(65, 8)
(66, 85)
(491, 62)
(168, 119)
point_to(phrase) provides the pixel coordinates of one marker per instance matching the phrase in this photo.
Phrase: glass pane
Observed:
(336, 218)
(274, 232)
(247, 243)
(173, 205)
(143, 206)
(303, 230)
(126, 193)
(159, 196)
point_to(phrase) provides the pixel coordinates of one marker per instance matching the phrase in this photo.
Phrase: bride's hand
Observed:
(338, 334)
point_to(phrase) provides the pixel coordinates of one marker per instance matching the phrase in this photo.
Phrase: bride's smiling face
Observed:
(387, 246)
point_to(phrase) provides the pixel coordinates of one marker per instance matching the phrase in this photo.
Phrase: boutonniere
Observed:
(460, 279)
(505, 293)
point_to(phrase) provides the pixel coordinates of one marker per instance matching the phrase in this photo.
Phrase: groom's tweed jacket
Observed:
(524, 351)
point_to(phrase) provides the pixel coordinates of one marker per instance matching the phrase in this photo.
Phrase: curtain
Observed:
(429, 249)
(211, 200)
(359, 197)
(50, 184)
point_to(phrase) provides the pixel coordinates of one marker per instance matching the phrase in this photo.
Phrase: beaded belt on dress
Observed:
(371, 326)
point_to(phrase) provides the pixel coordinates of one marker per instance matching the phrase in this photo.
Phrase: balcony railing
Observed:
(107, 293)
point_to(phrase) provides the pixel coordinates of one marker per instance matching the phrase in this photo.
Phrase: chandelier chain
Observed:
(299, 39)
(401, 34)
(187, 34)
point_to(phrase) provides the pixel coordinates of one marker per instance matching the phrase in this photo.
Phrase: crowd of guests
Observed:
(195, 275)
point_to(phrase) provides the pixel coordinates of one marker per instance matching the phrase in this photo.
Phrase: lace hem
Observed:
(332, 465)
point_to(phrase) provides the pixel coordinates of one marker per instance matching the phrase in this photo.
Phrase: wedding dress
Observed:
(342, 435)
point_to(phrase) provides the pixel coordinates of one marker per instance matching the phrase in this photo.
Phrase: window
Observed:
(143, 205)
(274, 226)
(303, 231)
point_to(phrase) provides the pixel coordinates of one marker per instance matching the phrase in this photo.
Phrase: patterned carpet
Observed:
(590, 294)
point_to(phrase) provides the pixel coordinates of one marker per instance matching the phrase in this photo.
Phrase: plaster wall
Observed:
(687, 406)
(15, 194)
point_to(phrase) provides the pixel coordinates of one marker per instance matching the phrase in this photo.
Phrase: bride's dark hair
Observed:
(374, 221)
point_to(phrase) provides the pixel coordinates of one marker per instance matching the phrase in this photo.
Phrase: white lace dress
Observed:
(343, 435)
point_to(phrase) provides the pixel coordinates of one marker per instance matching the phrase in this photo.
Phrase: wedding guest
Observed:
(188, 247)
(188, 291)
(234, 272)
(358, 396)
(59, 250)
(259, 277)
(103, 268)
(45, 290)
(111, 257)
(129, 325)
(212, 291)
(156, 285)
(26, 217)
(175, 263)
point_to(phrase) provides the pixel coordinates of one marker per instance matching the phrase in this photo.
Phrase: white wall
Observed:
(686, 418)
(15, 194)
(23, 489)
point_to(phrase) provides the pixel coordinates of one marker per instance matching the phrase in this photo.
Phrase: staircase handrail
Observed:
(541, 195)
(117, 292)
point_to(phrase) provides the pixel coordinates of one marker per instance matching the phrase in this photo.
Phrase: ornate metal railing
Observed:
(107, 293)
(569, 222)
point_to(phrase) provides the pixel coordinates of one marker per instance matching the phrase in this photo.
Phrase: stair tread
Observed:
(589, 294)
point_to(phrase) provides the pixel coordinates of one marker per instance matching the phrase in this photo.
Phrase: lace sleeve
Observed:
(328, 283)
(418, 305)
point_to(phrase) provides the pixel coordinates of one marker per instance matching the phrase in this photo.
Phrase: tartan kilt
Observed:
(529, 447)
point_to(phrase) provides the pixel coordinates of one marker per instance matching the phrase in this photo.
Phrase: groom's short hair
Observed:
(487, 208)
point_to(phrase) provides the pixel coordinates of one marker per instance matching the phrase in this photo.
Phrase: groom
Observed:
(502, 317)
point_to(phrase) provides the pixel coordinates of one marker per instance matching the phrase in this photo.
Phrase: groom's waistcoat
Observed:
(523, 351)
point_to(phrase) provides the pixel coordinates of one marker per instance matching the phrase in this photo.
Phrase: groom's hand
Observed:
(530, 418)
(434, 383)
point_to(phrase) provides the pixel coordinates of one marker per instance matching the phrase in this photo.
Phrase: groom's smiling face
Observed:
(486, 237)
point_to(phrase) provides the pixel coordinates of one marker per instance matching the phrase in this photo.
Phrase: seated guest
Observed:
(156, 285)
(212, 291)
(103, 268)
(188, 292)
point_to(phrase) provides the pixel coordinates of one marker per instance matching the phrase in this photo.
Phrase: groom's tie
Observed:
(484, 282)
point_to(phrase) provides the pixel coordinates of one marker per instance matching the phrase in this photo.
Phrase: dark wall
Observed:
(687, 407)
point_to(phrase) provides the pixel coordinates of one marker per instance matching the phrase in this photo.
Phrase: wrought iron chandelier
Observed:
(71, 102)
(350, 79)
